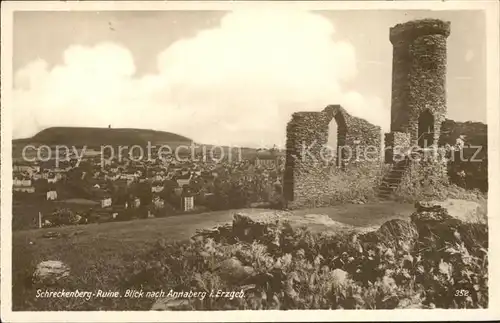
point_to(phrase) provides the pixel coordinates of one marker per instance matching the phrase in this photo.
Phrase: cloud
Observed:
(235, 84)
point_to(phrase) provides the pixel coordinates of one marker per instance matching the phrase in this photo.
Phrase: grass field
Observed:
(96, 253)
(25, 213)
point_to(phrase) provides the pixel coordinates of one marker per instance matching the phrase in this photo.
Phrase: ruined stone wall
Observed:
(419, 74)
(418, 85)
(426, 177)
(325, 186)
(303, 131)
(311, 179)
(395, 143)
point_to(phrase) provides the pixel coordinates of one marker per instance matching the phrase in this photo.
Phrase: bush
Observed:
(316, 271)
(413, 193)
(476, 137)
(62, 217)
(125, 215)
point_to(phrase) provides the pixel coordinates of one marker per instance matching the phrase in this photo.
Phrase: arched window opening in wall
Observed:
(331, 151)
(337, 131)
(425, 129)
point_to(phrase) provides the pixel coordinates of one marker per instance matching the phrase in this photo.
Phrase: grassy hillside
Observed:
(97, 253)
(95, 137)
(101, 137)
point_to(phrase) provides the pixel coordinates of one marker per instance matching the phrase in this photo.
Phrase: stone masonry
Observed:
(309, 170)
(418, 75)
(418, 100)
(418, 108)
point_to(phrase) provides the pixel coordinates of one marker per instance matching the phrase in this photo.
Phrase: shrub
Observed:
(62, 217)
(316, 271)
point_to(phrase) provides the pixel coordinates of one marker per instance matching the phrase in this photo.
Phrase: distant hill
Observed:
(97, 137)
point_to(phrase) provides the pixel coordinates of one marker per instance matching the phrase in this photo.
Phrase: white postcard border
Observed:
(491, 9)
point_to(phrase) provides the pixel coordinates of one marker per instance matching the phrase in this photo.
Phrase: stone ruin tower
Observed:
(418, 109)
(418, 82)
(418, 90)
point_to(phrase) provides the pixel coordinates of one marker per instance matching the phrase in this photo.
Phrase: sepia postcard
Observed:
(227, 161)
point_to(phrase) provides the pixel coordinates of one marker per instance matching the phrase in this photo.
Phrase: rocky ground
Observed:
(286, 260)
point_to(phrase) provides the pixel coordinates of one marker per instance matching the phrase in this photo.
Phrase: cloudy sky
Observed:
(218, 77)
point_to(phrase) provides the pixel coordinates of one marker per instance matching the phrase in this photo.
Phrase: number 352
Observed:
(461, 292)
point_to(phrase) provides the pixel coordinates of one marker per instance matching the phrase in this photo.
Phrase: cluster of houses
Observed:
(26, 174)
(100, 182)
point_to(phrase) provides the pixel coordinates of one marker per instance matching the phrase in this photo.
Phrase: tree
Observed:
(237, 196)
(168, 192)
(476, 145)
(143, 192)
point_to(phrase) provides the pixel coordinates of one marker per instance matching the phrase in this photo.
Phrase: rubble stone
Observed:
(50, 271)
(436, 226)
